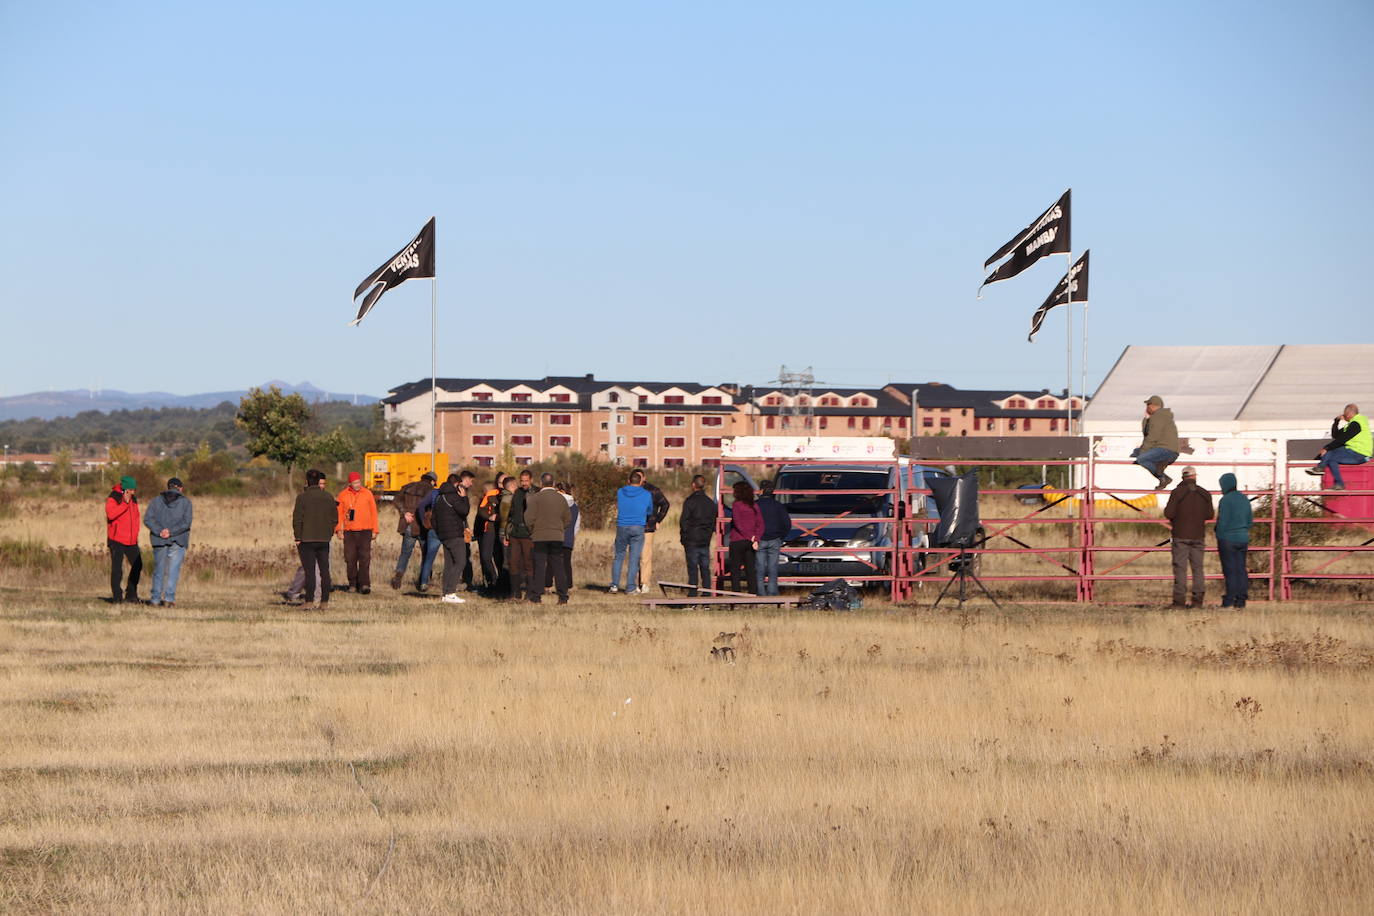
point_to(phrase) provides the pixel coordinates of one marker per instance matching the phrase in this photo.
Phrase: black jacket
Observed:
(516, 526)
(698, 520)
(1339, 437)
(777, 521)
(316, 515)
(661, 507)
(450, 513)
(1188, 509)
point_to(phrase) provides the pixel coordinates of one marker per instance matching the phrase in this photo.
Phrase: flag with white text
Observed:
(415, 260)
(1047, 234)
(1074, 282)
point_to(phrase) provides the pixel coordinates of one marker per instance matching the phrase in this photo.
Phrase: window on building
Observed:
(560, 397)
(977, 423)
(484, 419)
(711, 399)
(674, 421)
(522, 440)
(484, 461)
(887, 422)
(613, 397)
(619, 440)
(772, 400)
(605, 425)
(673, 399)
(861, 402)
(944, 422)
(521, 419)
(483, 440)
(481, 395)
(710, 442)
(927, 422)
(825, 421)
(851, 422)
(1054, 424)
(1074, 403)
(1011, 425)
(640, 463)
(674, 462)
(868, 422)
(560, 419)
(712, 421)
(619, 419)
(963, 432)
(674, 442)
(643, 399)
(641, 419)
(641, 441)
(901, 422)
(560, 441)
(964, 412)
(523, 460)
(1045, 404)
(1017, 403)
(772, 421)
(521, 396)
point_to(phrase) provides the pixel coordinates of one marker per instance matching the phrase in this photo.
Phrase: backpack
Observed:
(835, 595)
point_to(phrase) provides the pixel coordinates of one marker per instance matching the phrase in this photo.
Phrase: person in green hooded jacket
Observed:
(1234, 518)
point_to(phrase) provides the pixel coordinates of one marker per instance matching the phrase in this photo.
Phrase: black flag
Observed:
(1076, 280)
(1048, 234)
(414, 260)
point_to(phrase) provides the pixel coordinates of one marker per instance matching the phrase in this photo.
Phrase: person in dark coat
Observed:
(168, 520)
(450, 517)
(313, 521)
(518, 543)
(1188, 509)
(548, 516)
(412, 530)
(777, 525)
(696, 526)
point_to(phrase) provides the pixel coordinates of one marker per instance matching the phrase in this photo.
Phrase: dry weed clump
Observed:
(1291, 653)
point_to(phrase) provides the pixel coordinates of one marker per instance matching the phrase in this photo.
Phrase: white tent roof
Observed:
(1235, 389)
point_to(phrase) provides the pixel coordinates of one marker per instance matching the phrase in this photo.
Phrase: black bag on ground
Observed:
(835, 595)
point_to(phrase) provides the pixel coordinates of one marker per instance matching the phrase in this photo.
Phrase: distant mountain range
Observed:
(47, 405)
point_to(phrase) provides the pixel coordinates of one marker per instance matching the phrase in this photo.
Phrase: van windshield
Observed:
(828, 504)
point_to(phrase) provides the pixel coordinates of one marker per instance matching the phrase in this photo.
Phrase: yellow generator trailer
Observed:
(386, 472)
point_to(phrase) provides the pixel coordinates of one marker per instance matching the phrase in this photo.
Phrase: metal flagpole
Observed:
(1083, 364)
(433, 374)
(1068, 384)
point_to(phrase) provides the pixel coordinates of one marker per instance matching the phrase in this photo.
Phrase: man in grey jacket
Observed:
(548, 517)
(168, 519)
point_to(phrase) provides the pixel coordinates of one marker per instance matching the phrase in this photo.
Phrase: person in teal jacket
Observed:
(1234, 519)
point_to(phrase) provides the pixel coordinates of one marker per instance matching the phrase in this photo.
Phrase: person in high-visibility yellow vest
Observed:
(1351, 443)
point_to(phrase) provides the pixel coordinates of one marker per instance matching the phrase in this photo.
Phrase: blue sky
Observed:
(669, 191)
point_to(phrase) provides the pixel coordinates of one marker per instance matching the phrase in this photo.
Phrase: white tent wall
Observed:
(1230, 403)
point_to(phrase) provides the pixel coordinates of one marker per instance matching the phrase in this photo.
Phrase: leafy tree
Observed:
(275, 424)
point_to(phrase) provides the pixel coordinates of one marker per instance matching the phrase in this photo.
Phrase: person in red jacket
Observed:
(121, 536)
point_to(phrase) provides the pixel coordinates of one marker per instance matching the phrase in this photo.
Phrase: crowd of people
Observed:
(511, 539)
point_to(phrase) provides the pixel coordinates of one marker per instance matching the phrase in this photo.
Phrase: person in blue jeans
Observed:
(168, 520)
(413, 532)
(1351, 443)
(633, 504)
(431, 540)
(1234, 519)
(777, 525)
(1159, 445)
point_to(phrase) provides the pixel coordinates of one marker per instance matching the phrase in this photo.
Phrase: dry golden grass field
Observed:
(392, 754)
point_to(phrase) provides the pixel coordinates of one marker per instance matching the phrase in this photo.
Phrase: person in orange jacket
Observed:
(121, 536)
(358, 523)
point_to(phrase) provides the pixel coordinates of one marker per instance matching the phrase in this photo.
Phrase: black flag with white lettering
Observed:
(414, 260)
(1075, 281)
(1047, 234)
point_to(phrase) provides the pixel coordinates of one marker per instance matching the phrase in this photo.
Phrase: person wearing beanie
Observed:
(1160, 445)
(1188, 509)
(1234, 519)
(358, 524)
(121, 537)
(168, 520)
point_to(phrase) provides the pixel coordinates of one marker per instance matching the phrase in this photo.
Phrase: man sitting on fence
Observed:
(1351, 443)
(1160, 446)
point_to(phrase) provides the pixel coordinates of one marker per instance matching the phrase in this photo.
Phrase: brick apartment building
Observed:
(674, 424)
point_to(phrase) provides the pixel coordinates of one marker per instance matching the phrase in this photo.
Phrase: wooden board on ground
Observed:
(774, 600)
(701, 589)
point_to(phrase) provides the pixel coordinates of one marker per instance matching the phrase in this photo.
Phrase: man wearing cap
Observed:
(1160, 446)
(121, 537)
(358, 523)
(168, 521)
(413, 531)
(1351, 443)
(1188, 509)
